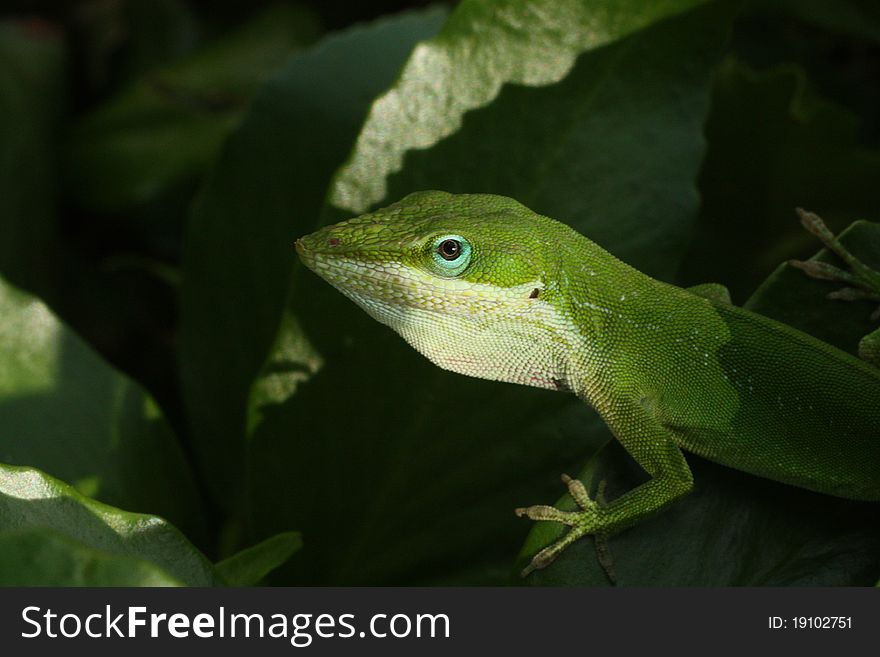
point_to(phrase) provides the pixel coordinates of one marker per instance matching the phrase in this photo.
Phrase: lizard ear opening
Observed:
(534, 294)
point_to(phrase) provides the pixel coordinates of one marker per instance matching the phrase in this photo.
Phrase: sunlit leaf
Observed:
(42, 557)
(30, 500)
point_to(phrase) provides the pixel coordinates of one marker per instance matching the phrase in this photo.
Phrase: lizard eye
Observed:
(452, 254)
(449, 249)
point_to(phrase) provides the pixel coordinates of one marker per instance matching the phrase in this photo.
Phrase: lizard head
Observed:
(468, 280)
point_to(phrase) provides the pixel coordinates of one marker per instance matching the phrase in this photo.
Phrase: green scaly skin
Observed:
(525, 299)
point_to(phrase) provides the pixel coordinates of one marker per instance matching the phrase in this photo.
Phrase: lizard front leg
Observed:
(651, 445)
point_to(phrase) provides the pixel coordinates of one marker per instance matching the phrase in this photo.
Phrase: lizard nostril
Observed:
(333, 241)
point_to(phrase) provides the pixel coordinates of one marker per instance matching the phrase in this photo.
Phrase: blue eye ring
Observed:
(452, 254)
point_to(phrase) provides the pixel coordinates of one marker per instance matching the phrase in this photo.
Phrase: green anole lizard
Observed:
(485, 287)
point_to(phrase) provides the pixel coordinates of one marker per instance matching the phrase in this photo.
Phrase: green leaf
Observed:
(774, 145)
(31, 97)
(267, 186)
(252, 564)
(483, 46)
(790, 296)
(410, 480)
(425, 467)
(158, 33)
(164, 129)
(30, 499)
(67, 412)
(42, 557)
(732, 530)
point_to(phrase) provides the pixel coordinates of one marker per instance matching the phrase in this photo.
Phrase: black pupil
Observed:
(449, 249)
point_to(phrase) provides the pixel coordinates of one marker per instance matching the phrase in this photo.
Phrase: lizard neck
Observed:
(603, 300)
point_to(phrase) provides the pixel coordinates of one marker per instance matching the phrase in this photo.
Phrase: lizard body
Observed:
(484, 287)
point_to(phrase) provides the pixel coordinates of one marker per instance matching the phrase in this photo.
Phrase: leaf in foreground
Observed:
(252, 564)
(42, 557)
(30, 499)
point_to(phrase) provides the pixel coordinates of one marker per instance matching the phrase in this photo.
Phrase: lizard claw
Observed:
(578, 492)
(544, 512)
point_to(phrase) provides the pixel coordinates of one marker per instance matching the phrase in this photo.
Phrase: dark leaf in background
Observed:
(39, 250)
(836, 43)
(158, 32)
(773, 146)
(113, 281)
(32, 65)
(164, 129)
(789, 296)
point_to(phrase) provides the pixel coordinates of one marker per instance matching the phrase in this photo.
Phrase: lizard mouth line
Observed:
(392, 277)
(394, 282)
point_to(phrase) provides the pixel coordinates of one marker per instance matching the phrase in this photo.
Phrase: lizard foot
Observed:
(584, 522)
(861, 281)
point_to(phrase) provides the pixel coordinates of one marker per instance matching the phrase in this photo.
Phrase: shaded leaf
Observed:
(31, 99)
(773, 146)
(30, 499)
(42, 557)
(67, 412)
(423, 501)
(248, 567)
(159, 32)
(269, 179)
(733, 529)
